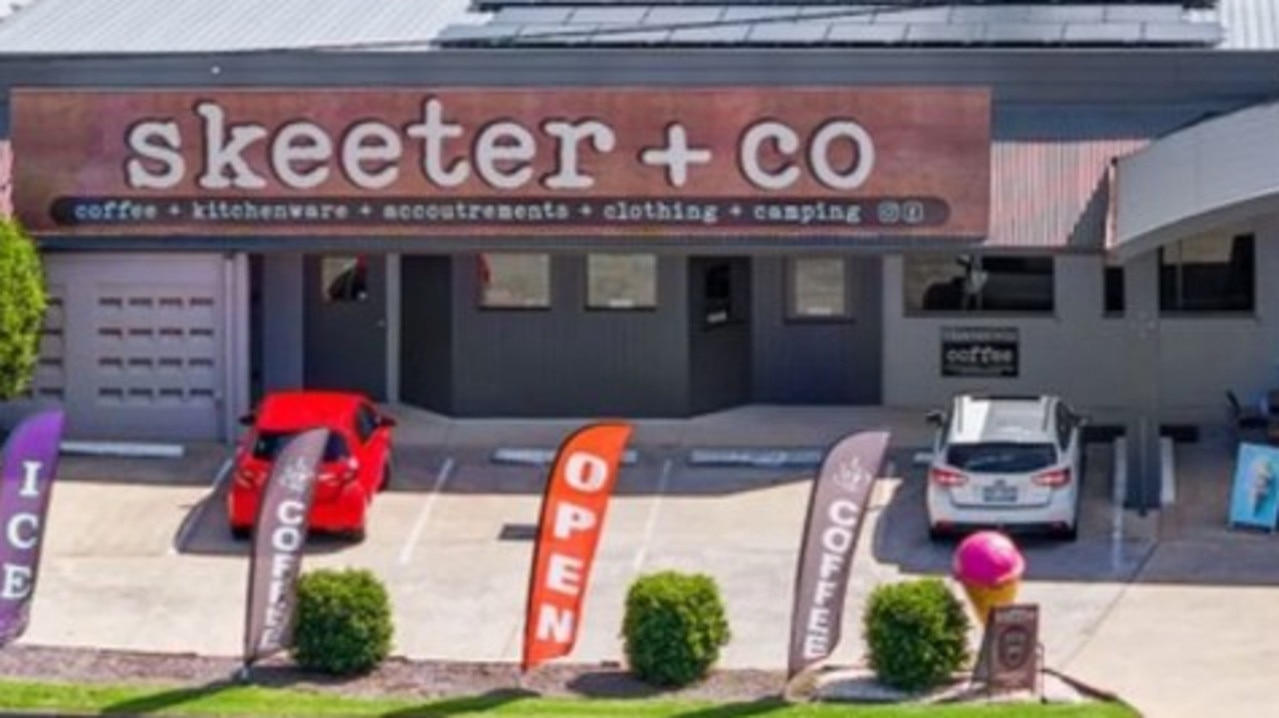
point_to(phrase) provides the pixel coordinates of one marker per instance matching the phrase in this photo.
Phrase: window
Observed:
(718, 294)
(1208, 274)
(817, 289)
(269, 444)
(515, 281)
(1001, 457)
(1065, 426)
(366, 423)
(969, 283)
(621, 281)
(344, 279)
(1113, 279)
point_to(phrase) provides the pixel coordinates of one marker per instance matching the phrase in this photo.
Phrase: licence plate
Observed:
(999, 494)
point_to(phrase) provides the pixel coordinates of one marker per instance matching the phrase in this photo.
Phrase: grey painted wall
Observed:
(1080, 353)
(822, 362)
(426, 343)
(281, 290)
(570, 361)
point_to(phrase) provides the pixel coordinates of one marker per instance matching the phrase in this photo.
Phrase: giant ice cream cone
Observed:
(989, 567)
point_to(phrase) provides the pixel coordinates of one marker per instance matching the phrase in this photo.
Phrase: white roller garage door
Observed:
(134, 345)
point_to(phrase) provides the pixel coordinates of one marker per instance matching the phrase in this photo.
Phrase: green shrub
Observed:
(22, 304)
(674, 627)
(916, 633)
(344, 622)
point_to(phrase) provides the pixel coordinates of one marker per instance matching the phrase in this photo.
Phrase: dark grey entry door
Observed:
(346, 324)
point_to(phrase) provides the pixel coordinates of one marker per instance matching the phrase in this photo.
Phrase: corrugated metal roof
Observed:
(189, 26)
(6, 179)
(1250, 24)
(1051, 194)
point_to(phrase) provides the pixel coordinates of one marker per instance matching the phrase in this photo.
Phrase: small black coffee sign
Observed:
(979, 351)
(1009, 656)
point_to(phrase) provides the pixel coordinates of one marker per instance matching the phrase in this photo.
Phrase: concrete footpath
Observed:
(1173, 612)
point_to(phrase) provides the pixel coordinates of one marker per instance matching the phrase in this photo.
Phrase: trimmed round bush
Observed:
(916, 632)
(344, 622)
(674, 626)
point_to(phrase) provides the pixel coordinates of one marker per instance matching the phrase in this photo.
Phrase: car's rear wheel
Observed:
(354, 535)
(241, 533)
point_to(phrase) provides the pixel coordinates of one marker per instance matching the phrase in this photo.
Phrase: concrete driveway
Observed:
(147, 563)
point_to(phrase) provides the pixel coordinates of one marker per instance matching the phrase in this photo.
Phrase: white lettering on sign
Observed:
(22, 533)
(786, 142)
(567, 175)
(571, 518)
(504, 154)
(586, 472)
(157, 144)
(554, 624)
(30, 479)
(370, 155)
(836, 541)
(13, 532)
(17, 582)
(564, 574)
(286, 539)
(224, 163)
(299, 153)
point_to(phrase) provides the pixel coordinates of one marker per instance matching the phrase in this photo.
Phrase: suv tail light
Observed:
(946, 477)
(1053, 479)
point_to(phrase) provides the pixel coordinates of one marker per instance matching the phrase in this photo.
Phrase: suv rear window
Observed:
(269, 444)
(997, 458)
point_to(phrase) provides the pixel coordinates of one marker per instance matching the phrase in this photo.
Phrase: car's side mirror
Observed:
(387, 422)
(936, 417)
(247, 420)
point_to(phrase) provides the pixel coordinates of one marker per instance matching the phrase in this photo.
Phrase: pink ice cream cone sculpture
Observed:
(989, 567)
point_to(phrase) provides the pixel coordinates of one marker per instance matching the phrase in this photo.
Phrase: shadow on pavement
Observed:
(612, 684)
(204, 531)
(901, 536)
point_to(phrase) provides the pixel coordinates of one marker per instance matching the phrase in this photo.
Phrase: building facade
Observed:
(567, 219)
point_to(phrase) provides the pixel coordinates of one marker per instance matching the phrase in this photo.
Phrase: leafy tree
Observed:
(22, 304)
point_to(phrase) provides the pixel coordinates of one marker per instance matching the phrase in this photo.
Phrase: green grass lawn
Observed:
(233, 700)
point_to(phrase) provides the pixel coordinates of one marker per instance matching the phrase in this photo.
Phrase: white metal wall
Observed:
(1079, 352)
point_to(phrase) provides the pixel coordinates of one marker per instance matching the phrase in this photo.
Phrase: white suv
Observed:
(1006, 462)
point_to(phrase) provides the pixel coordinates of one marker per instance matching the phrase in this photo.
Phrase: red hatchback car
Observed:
(356, 462)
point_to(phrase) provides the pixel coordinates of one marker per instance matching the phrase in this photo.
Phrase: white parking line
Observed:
(650, 524)
(196, 517)
(406, 553)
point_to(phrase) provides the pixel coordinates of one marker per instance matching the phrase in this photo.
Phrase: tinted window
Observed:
(998, 458)
(971, 283)
(1208, 274)
(365, 423)
(269, 444)
(1065, 425)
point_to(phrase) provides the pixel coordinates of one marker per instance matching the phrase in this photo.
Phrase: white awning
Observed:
(1220, 172)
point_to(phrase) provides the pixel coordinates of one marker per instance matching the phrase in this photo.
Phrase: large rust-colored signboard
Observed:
(534, 161)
